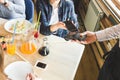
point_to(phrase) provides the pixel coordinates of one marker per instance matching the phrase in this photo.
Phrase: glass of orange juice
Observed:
(28, 47)
(11, 48)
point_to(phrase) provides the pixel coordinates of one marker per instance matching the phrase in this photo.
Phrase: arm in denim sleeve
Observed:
(108, 33)
(18, 6)
(73, 16)
(45, 30)
(44, 27)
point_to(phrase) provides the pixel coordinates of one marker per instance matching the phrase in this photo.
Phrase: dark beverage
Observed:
(44, 51)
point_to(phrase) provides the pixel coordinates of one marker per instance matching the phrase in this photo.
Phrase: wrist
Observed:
(53, 28)
(5, 2)
(95, 37)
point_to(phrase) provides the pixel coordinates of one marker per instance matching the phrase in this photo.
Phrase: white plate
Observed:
(18, 70)
(9, 26)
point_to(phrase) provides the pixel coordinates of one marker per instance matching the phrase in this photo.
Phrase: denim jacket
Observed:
(65, 12)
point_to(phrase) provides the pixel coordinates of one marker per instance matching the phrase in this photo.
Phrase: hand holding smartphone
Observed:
(74, 33)
(70, 26)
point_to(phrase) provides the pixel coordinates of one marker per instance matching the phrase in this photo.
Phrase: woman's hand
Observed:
(30, 76)
(91, 37)
(59, 25)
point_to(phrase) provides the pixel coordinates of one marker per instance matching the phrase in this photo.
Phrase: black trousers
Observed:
(111, 67)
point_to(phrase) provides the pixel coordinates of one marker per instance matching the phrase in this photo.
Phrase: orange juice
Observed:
(27, 48)
(11, 48)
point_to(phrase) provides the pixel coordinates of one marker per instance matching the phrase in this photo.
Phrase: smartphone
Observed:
(70, 26)
(40, 65)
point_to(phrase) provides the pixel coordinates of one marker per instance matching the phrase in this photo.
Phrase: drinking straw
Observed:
(30, 45)
(38, 21)
(14, 31)
(21, 57)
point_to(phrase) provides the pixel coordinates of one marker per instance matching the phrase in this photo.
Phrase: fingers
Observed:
(62, 25)
(68, 19)
(30, 76)
(71, 21)
(84, 33)
(81, 42)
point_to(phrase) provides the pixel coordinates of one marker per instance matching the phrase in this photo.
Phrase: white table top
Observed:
(62, 61)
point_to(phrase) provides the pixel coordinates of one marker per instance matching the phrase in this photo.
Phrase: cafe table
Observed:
(62, 60)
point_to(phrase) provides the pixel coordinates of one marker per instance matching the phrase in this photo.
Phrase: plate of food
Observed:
(18, 70)
(21, 25)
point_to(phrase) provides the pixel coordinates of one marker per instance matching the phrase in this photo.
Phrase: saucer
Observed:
(18, 70)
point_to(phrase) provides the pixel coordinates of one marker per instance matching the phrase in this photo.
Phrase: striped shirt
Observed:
(109, 33)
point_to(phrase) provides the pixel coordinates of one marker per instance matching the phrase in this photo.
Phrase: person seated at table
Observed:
(53, 15)
(10, 9)
(111, 67)
(3, 76)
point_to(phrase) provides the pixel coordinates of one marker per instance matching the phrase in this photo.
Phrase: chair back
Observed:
(29, 10)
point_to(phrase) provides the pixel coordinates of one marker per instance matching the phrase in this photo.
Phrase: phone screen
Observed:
(41, 65)
(70, 26)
